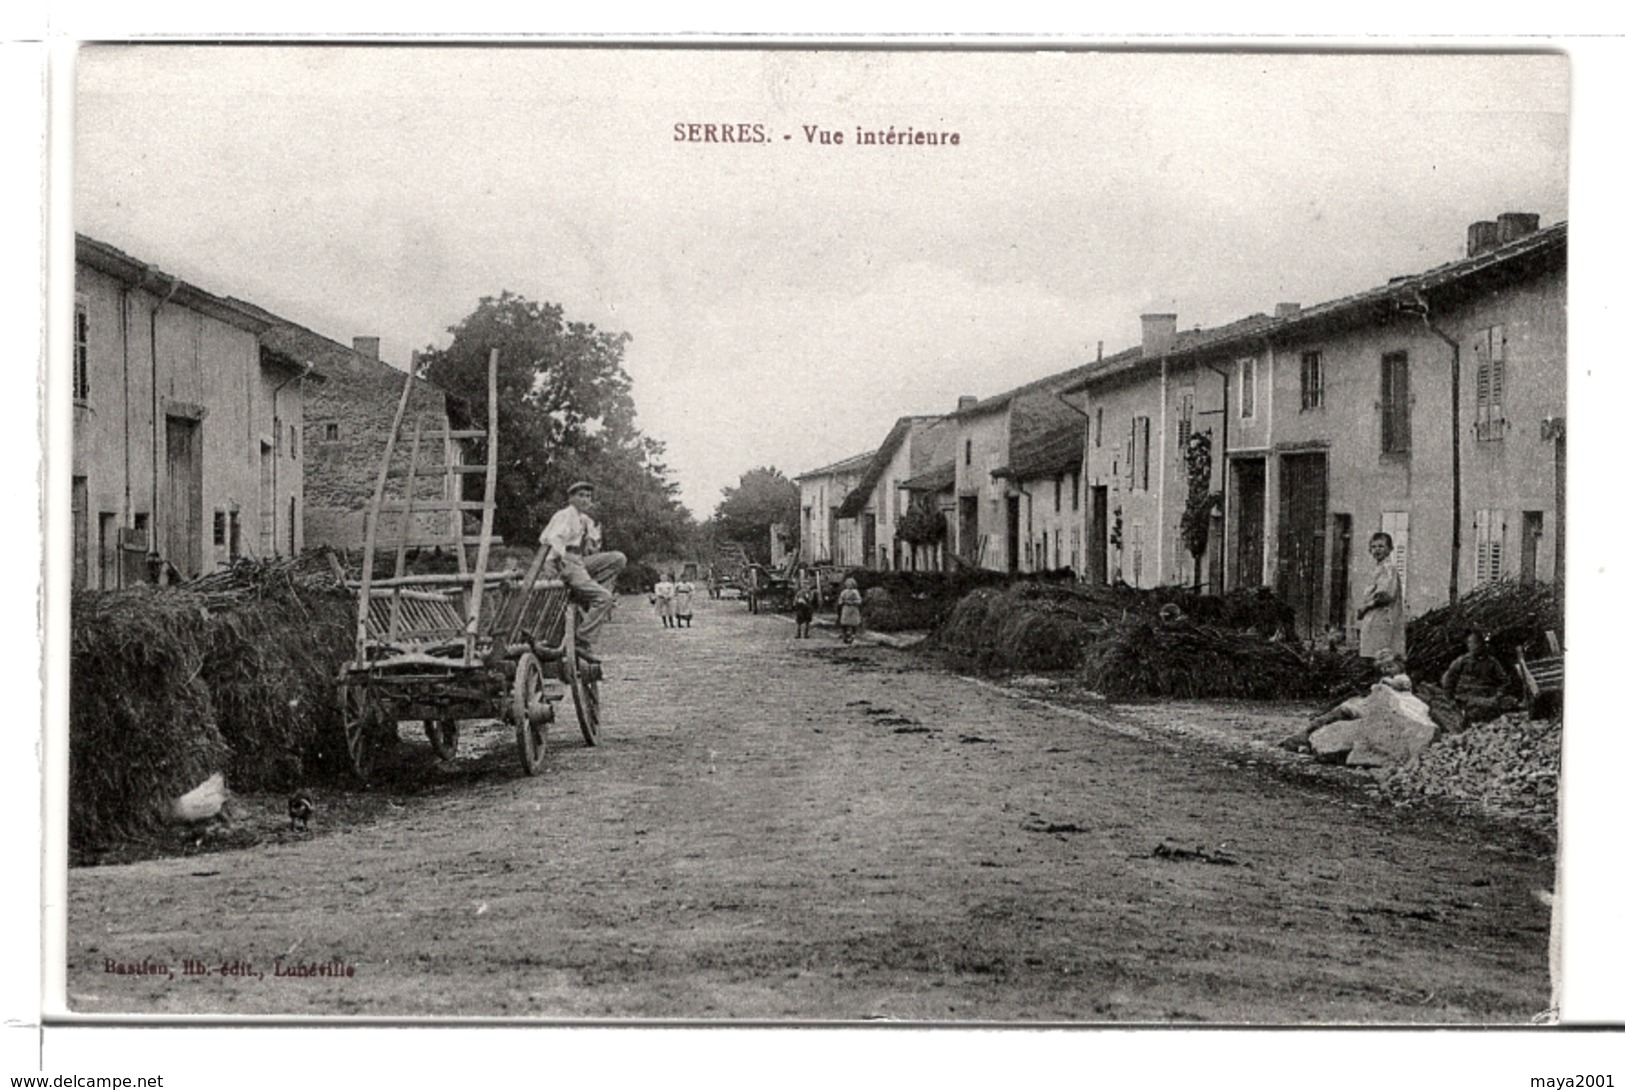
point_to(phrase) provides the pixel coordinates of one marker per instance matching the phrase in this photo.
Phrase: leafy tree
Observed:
(764, 496)
(565, 412)
(1200, 501)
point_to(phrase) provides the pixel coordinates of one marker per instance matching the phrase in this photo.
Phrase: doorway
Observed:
(183, 462)
(1248, 474)
(1098, 502)
(1012, 534)
(970, 540)
(1302, 558)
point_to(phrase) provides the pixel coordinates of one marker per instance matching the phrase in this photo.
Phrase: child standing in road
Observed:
(805, 601)
(665, 591)
(850, 604)
(683, 603)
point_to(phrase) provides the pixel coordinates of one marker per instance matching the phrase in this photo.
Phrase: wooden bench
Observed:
(1543, 676)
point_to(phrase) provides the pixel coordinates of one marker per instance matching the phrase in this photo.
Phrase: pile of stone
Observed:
(1507, 768)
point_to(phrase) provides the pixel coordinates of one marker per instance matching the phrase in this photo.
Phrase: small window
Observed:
(1077, 484)
(1248, 393)
(1309, 380)
(1142, 435)
(1396, 403)
(219, 529)
(293, 441)
(330, 433)
(1059, 480)
(81, 353)
(1100, 419)
(967, 452)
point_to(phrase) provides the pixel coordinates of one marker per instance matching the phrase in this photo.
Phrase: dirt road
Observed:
(795, 830)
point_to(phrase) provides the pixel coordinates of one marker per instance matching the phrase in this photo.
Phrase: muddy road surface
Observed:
(781, 829)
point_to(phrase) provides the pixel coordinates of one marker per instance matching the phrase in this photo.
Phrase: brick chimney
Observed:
(965, 402)
(1511, 226)
(1157, 334)
(1287, 310)
(1482, 236)
(366, 346)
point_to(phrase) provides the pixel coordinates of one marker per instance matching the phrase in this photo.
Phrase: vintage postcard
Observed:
(632, 534)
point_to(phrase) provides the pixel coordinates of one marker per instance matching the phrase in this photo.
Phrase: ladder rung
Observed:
(431, 471)
(400, 506)
(455, 434)
(442, 541)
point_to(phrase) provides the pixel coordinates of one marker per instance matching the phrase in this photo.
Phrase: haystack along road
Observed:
(790, 829)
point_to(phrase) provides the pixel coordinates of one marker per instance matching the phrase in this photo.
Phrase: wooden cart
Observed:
(444, 647)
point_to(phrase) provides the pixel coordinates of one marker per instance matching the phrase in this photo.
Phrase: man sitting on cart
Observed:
(573, 543)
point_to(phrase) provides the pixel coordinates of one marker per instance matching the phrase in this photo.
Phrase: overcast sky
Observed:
(789, 300)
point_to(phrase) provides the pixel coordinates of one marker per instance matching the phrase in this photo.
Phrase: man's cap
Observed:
(579, 486)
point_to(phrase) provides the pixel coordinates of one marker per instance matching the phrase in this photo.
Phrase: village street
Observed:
(796, 830)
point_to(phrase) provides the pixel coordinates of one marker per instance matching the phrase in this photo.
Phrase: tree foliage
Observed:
(1200, 500)
(764, 496)
(564, 413)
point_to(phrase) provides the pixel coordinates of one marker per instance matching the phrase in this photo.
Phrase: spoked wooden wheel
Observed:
(363, 724)
(529, 712)
(582, 677)
(442, 737)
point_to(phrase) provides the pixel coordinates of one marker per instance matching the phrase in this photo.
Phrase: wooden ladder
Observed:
(396, 519)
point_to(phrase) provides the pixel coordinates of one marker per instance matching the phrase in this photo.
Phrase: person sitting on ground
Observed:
(1392, 669)
(665, 592)
(575, 556)
(1477, 683)
(850, 604)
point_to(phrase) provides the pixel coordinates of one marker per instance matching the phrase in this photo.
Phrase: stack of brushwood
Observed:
(1507, 767)
(230, 673)
(1512, 614)
(1126, 643)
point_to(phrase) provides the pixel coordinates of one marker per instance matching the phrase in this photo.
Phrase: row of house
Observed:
(1430, 407)
(207, 429)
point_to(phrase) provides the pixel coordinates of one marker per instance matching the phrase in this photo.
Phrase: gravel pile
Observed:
(1508, 768)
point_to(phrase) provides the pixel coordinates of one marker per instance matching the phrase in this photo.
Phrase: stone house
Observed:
(188, 427)
(1045, 478)
(348, 424)
(827, 538)
(878, 501)
(1430, 407)
(986, 507)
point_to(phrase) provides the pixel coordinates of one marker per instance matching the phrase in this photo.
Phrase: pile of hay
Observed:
(1127, 643)
(232, 673)
(1513, 614)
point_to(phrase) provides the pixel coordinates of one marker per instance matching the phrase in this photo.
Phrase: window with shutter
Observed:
(1309, 380)
(1489, 357)
(81, 353)
(1187, 417)
(1144, 425)
(1133, 430)
(1248, 398)
(1489, 535)
(1396, 403)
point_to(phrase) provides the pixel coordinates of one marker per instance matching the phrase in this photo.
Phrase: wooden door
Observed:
(970, 540)
(183, 508)
(1012, 534)
(1342, 550)
(1301, 563)
(1249, 486)
(869, 539)
(1099, 500)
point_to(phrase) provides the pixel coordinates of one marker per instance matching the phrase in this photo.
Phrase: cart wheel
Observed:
(360, 726)
(527, 713)
(442, 737)
(583, 679)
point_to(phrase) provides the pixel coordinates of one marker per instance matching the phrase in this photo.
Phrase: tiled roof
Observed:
(1001, 401)
(852, 506)
(114, 262)
(845, 465)
(938, 478)
(1043, 455)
